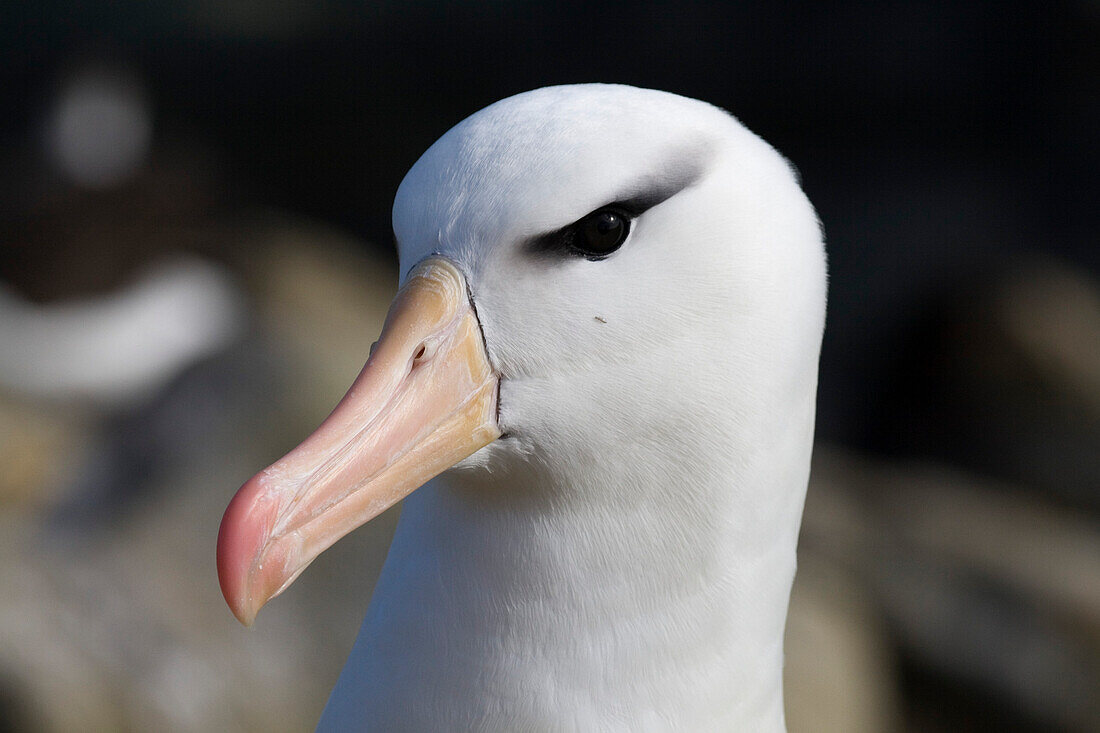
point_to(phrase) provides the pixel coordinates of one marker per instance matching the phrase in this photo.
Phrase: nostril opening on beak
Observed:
(422, 355)
(419, 356)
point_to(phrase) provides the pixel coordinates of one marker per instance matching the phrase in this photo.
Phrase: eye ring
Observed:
(601, 233)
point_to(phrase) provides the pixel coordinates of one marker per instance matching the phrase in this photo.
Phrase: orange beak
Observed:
(425, 400)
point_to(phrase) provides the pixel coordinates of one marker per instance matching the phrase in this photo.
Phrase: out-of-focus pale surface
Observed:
(323, 298)
(840, 669)
(38, 445)
(119, 348)
(970, 577)
(100, 128)
(1051, 314)
(123, 627)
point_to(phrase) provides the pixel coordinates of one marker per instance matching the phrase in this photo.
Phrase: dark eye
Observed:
(601, 233)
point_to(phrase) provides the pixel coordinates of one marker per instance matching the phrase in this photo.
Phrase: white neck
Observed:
(564, 597)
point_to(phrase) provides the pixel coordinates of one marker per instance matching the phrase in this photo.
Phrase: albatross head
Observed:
(612, 306)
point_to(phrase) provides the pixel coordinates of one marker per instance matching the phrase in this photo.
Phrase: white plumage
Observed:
(621, 559)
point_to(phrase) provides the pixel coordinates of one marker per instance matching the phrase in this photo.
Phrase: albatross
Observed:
(596, 388)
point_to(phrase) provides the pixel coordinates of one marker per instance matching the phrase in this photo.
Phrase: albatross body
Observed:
(604, 356)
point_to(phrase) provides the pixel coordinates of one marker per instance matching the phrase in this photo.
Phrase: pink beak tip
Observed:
(241, 538)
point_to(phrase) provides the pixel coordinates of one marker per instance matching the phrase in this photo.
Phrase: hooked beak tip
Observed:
(241, 539)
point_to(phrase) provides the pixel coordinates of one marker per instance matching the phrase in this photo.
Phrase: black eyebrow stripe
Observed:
(639, 197)
(656, 189)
